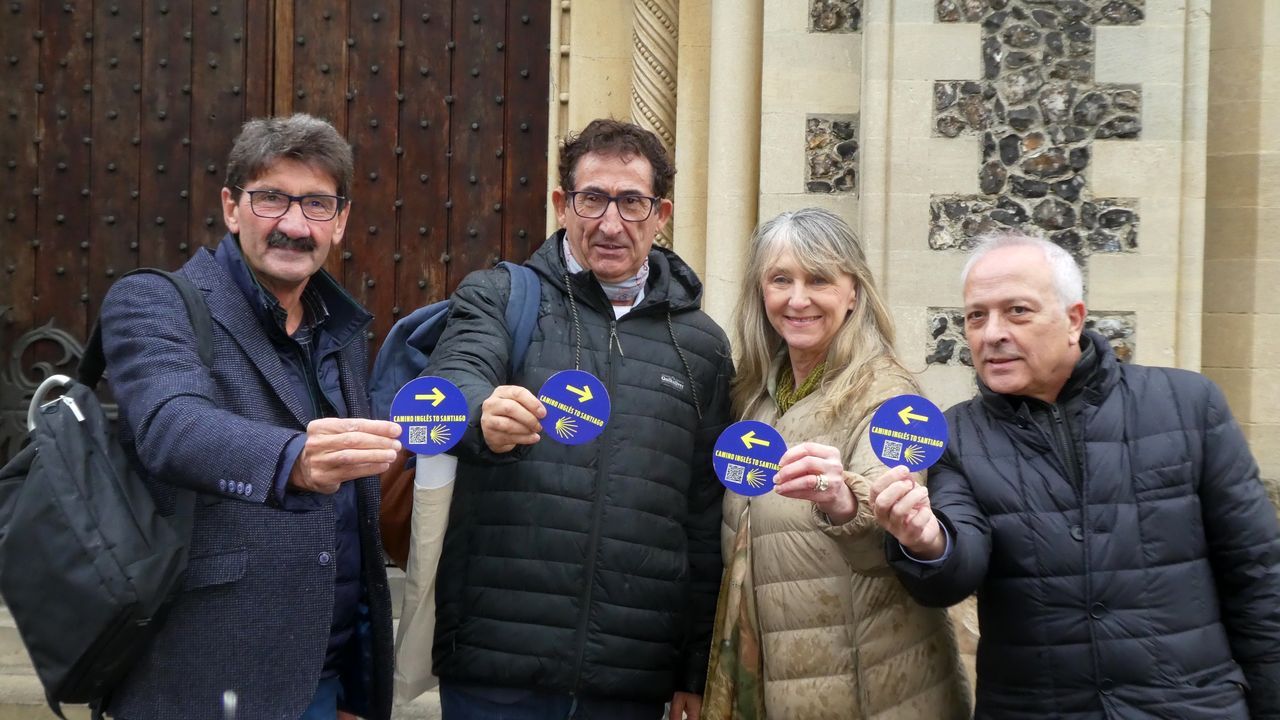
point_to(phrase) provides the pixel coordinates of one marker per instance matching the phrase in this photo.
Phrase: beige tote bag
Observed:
(432, 495)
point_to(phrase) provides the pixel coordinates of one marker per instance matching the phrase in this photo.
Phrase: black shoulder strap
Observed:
(94, 362)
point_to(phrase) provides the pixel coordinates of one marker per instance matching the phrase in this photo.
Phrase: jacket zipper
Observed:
(1062, 434)
(597, 508)
(1062, 437)
(613, 338)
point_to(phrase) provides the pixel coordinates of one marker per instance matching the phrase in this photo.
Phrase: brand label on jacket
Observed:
(672, 382)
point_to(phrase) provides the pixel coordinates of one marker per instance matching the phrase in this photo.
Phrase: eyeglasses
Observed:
(272, 204)
(591, 205)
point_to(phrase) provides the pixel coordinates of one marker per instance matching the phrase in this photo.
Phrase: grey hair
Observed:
(301, 137)
(825, 246)
(1067, 280)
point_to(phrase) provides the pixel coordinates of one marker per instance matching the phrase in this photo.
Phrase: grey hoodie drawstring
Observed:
(693, 386)
(577, 328)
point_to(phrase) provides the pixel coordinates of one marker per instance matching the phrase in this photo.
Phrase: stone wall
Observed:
(831, 154)
(811, 91)
(1242, 244)
(1080, 121)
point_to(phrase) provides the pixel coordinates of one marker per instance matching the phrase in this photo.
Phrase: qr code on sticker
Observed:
(892, 450)
(417, 434)
(733, 473)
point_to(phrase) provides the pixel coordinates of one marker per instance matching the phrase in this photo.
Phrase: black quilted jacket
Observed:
(1143, 583)
(593, 568)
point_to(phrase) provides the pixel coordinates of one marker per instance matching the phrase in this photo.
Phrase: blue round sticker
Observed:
(432, 414)
(908, 430)
(577, 407)
(746, 457)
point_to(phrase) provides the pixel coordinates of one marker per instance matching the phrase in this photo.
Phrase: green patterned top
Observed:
(787, 394)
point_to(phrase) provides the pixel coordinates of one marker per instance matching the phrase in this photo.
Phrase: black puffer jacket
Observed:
(1149, 587)
(592, 568)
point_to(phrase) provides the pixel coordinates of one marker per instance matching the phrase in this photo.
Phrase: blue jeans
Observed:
(467, 702)
(324, 706)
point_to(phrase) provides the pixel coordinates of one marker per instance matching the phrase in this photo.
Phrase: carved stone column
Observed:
(653, 73)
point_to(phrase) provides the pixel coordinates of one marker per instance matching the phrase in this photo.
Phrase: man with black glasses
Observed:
(580, 581)
(284, 611)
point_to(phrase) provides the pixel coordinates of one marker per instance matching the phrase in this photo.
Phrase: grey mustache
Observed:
(278, 239)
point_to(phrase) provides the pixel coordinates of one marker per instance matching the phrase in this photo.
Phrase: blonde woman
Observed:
(837, 636)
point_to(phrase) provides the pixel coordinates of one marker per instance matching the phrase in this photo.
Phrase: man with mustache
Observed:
(580, 581)
(284, 610)
(1109, 516)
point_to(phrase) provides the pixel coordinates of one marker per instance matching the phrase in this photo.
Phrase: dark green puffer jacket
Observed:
(590, 569)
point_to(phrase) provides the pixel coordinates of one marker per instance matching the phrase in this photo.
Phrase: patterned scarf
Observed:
(623, 294)
(786, 394)
(735, 673)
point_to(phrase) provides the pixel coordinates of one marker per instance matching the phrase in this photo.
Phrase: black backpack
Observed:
(87, 562)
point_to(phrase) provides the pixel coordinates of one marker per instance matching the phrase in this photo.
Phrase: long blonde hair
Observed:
(824, 246)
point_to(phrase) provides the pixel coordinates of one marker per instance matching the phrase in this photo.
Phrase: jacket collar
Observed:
(231, 308)
(672, 286)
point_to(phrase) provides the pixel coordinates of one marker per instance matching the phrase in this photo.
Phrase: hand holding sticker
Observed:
(815, 472)
(908, 433)
(908, 430)
(432, 414)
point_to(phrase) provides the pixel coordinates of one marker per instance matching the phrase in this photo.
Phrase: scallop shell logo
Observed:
(755, 478)
(566, 427)
(914, 454)
(440, 434)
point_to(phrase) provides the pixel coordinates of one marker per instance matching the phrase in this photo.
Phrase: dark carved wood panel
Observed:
(318, 67)
(165, 162)
(525, 181)
(259, 36)
(64, 100)
(476, 137)
(119, 115)
(372, 87)
(117, 64)
(19, 73)
(219, 73)
(422, 273)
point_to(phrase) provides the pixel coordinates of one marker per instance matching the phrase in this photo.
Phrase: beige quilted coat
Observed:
(841, 637)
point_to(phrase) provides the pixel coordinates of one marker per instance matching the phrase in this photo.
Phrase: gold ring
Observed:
(821, 484)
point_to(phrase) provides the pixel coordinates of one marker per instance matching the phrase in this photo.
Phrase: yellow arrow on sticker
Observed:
(906, 416)
(435, 396)
(750, 439)
(584, 394)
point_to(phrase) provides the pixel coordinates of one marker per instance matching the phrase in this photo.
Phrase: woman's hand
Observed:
(814, 472)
